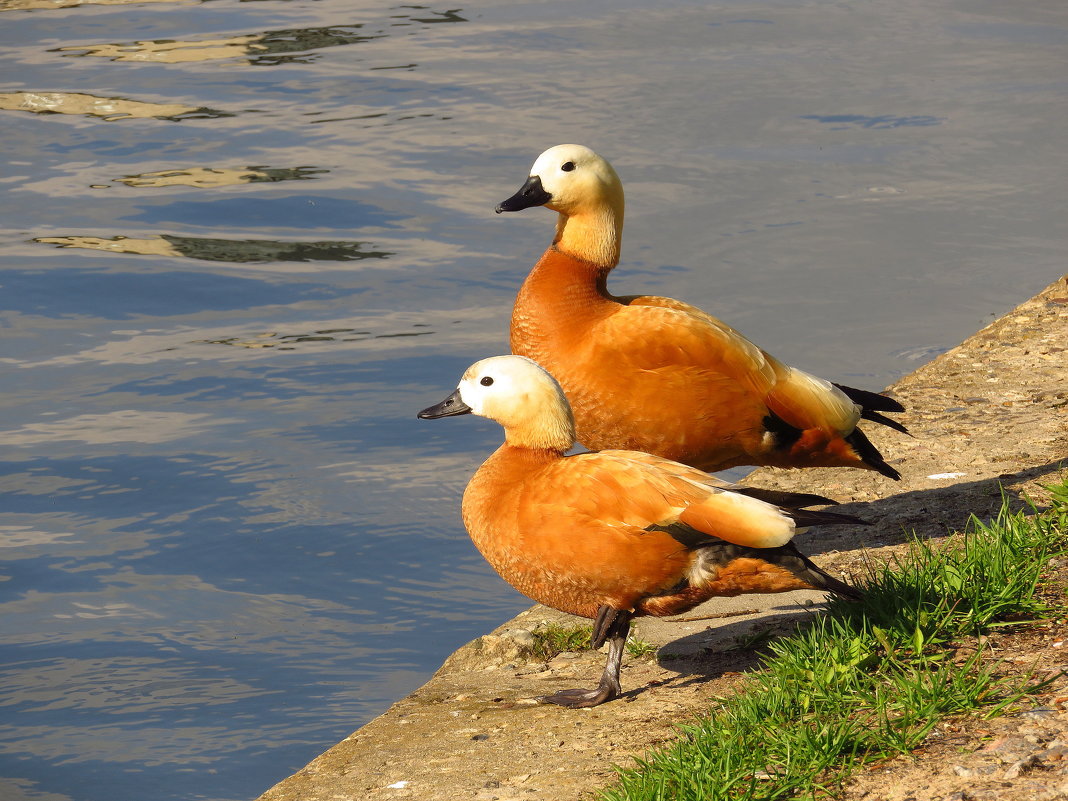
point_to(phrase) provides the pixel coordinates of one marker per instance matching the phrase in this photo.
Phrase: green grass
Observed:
(553, 639)
(640, 649)
(868, 680)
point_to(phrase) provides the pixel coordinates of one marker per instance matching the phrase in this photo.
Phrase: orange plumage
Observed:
(656, 374)
(613, 534)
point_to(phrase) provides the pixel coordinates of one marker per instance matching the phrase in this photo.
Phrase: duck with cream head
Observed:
(658, 375)
(616, 534)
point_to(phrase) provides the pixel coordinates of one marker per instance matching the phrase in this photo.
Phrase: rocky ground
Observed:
(988, 417)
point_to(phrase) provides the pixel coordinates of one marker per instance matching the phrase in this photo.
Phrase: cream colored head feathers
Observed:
(588, 194)
(578, 179)
(523, 398)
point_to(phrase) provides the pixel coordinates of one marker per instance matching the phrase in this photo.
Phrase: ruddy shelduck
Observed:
(658, 375)
(615, 534)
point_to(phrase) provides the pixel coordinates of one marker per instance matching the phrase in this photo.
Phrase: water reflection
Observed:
(273, 339)
(108, 109)
(44, 5)
(226, 539)
(14, 536)
(452, 15)
(118, 295)
(262, 49)
(881, 122)
(269, 210)
(123, 425)
(473, 331)
(214, 617)
(267, 49)
(206, 177)
(139, 684)
(226, 250)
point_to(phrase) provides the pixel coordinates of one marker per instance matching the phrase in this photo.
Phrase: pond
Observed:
(243, 243)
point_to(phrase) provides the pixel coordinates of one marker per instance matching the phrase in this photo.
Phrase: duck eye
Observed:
(567, 166)
(486, 381)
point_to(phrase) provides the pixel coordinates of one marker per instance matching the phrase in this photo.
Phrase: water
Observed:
(242, 243)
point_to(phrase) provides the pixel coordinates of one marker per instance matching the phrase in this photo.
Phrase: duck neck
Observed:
(529, 455)
(593, 236)
(563, 295)
(509, 464)
(548, 437)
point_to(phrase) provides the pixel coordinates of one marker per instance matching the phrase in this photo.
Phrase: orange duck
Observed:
(658, 375)
(615, 534)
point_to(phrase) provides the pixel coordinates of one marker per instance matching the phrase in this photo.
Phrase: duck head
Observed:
(518, 394)
(587, 193)
(567, 179)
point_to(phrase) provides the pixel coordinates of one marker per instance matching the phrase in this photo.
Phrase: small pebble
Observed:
(1039, 713)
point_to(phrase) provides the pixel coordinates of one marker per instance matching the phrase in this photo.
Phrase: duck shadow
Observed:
(926, 513)
(716, 651)
(727, 648)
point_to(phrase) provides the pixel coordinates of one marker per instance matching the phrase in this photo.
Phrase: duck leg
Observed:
(611, 625)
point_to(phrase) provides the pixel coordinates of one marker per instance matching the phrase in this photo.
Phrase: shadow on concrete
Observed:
(927, 513)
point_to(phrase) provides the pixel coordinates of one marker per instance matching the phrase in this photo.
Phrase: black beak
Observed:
(449, 407)
(530, 194)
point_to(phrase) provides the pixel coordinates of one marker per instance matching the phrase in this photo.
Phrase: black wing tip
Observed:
(886, 470)
(843, 590)
(871, 400)
(870, 455)
(875, 417)
(821, 579)
(805, 517)
(872, 403)
(784, 499)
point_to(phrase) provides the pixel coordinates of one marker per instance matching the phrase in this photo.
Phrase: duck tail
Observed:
(872, 403)
(804, 518)
(870, 455)
(803, 567)
(786, 500)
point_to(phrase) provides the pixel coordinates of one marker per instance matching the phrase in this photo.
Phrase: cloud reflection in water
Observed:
(108, 109)
(207, 177)
(227, 250)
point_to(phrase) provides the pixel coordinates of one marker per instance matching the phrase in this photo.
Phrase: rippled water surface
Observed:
(242, 243)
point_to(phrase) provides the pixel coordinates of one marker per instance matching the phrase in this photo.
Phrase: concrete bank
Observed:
(989, 414)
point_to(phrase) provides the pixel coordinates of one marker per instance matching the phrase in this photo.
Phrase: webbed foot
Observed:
(579, 698)
(611, 625)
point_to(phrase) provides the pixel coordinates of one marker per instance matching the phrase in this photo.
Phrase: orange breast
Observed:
(569, 561)
(629, 389)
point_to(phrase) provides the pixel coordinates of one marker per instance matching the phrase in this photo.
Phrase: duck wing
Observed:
(674, 334)
(610, 489)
